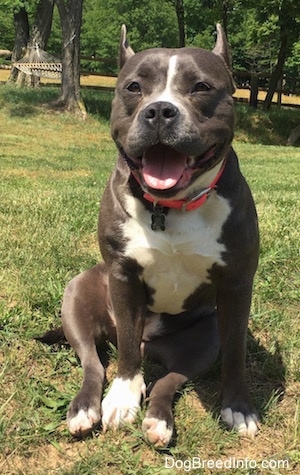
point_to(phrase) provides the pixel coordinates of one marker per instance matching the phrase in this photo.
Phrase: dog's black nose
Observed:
(160, 112)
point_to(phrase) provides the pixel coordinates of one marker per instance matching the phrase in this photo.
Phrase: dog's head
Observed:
(172, 116)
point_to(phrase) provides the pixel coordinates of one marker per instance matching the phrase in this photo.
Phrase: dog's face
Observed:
(172, 116)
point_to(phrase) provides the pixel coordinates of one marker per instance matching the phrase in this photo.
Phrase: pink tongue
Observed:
(162, 167)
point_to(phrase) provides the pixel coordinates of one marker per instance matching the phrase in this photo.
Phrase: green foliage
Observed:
(7, 10)
(200, 24)
(54, 45)
(7, 31)
(147, 27)
(293, 63)
(255, 46)
(254, 29)
(15, 5)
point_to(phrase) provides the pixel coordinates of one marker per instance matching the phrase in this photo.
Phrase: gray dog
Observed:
(179, 239)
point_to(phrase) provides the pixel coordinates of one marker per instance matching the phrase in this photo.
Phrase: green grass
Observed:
(53, 170)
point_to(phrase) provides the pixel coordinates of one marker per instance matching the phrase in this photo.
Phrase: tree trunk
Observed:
(25, 44)
(277, 73)
(253, 90)
(225, 10)
(21, 39)
(42, 25)
(179, 7)
(41, 30)
(70, 12)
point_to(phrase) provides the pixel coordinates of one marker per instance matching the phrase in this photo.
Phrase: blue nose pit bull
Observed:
(179, 239)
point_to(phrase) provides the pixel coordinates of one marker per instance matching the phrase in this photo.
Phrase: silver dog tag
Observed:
(158, 218)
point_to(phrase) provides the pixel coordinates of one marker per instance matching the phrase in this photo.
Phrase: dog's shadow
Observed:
(265, 374)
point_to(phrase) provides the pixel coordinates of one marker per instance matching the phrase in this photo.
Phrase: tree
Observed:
(70, 12)
(25, 41)
(21, 24)
(38, 38)
(288, 14)
(41, 28)
(179, 9)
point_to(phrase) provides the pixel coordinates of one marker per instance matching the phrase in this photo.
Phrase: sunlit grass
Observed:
(53, 171)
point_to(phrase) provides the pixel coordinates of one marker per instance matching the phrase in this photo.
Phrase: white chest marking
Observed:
(176, 261)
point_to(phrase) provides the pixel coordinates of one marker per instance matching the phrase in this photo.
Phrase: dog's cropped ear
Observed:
(222, 49)
(125, 51)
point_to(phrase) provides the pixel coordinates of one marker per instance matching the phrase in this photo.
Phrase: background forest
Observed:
(256, 29)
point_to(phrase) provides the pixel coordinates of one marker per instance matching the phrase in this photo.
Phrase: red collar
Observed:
(188, 204)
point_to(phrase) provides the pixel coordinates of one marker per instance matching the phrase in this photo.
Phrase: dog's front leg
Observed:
(237, 410)
(122, 402)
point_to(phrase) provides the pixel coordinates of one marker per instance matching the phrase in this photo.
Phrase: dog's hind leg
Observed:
(187, 353)
(86, 322)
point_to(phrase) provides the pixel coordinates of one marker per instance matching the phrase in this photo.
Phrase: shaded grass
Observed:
(267, 128)
(53, 171)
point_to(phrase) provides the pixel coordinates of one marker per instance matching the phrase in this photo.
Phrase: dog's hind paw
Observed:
(156, 431)
(244, 424)
(83, 422)
(122, 402)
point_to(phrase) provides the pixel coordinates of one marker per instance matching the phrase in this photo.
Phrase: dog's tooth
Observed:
(191, 161)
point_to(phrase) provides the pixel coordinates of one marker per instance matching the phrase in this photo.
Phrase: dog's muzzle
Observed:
(165, 159)
(162, 168)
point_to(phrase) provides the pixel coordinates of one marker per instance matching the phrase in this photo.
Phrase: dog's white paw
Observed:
(244, 425)
(122, 402)
(84, 421)
(156, 431)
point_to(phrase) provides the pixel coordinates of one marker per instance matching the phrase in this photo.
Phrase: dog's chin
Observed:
(163, 172)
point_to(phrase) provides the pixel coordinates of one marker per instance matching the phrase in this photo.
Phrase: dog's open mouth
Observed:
(163, 168)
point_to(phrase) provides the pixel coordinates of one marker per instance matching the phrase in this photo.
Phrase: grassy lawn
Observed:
(53, 170)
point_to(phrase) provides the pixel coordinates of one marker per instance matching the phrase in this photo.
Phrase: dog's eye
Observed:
(134, 87)
(201, 86)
